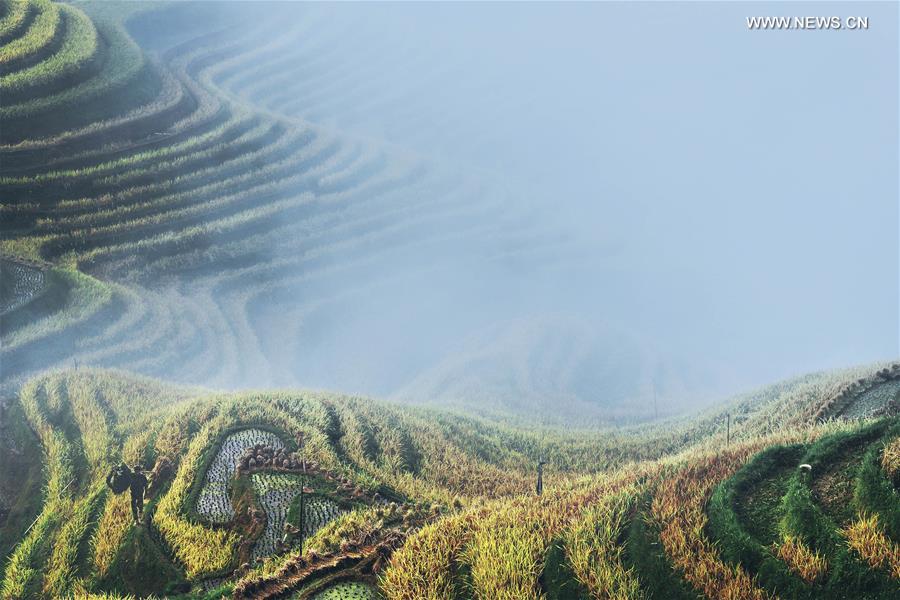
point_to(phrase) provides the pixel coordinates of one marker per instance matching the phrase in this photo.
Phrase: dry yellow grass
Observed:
(594, 552)
(506, 553)
(677, 508)
(867, 539)
(111, 530)
(502, 543)
(810, 566)
(890, 458)
(425, 566)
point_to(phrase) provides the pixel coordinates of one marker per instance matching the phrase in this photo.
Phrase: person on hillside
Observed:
(138, 489)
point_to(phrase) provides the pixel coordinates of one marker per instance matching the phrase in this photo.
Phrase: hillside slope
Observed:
(418, 502)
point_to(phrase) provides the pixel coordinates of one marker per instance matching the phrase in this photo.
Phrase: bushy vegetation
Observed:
(16, 15)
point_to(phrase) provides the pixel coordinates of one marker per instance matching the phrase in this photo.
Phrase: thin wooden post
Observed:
(540, 476)
(728, 431)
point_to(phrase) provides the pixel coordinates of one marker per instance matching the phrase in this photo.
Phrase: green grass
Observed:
(140, 568)
(805, 517)
(20, 479)
(222, 134)
(73, 59)
(874, 492)
(85, 298)
(17, 16)
(644, 553)
(757, 491)
(24, 571)
(558, 580)
(62, 570)
(744, 513)
(39, 36)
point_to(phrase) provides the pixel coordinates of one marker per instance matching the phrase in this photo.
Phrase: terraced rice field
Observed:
(276, 493)
(214, 502)
(20, 284)
(209, 231)
(874, 400)
(318, 511)
(685, 517)
(801, 540)
(349, 591)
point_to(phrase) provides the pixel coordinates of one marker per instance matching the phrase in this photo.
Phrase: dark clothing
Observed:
(138, 486)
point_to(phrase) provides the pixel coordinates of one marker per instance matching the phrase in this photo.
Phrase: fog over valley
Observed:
(585, 205)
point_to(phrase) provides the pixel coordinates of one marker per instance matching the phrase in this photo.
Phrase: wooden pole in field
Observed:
(540, 477)
(728, 431)
(540, 467)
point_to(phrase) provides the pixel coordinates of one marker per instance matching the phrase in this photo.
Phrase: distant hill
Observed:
(559, 367)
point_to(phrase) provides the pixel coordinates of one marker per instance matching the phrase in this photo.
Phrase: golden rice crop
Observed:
(868, 540)
(594, 550)
(425, 567)
(810, 566)
(678, 509)
(890, 458)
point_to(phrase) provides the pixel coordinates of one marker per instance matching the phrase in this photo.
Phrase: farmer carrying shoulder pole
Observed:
(122, 478)
(138, 489)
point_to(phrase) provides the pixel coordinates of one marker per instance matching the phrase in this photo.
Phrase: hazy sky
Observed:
(722, 203)
(735, 191)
